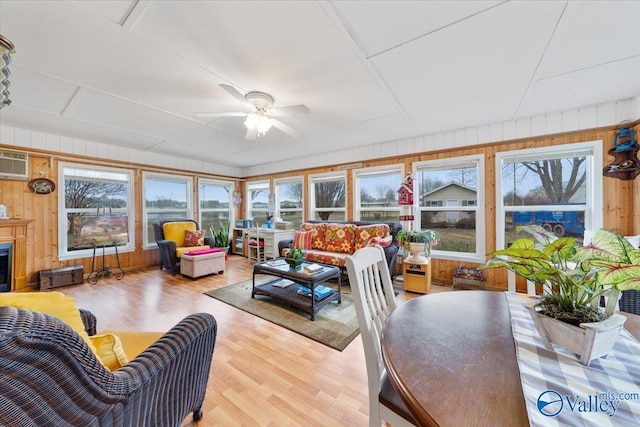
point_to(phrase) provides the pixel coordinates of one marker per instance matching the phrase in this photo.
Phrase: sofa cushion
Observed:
(54, 303)
(110, 351)
(325, 257)
(340, 238)
(382, 241)
(302, 239)
(193, 238)
(364, 234)
(175, 231)
(317, 234)
(181, 250)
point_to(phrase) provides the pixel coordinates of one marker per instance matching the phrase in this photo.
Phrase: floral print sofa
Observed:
(331, 242)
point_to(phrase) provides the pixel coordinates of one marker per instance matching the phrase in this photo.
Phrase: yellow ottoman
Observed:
(202, 264)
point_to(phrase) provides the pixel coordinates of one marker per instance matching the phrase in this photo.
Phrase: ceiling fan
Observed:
(259, 118)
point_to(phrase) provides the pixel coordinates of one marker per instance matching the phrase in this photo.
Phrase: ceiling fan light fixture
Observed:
(259, 121)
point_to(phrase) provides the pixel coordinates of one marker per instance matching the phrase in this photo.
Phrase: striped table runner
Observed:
(560, 391)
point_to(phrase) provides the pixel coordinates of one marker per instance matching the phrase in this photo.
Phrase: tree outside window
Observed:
(96, 210)
(328, 197)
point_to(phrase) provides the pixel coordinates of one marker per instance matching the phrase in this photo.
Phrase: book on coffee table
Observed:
(282, 283)
(312, 268)
(320, 291)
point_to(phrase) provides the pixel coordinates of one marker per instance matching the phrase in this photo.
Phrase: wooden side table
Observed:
(417, 275)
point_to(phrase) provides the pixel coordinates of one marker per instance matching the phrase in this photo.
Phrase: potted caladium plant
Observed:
(574, 279)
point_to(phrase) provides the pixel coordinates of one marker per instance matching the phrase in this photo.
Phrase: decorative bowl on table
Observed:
(294, 263)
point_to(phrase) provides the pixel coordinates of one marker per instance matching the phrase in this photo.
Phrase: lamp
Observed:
(258, 120)
(6, 47)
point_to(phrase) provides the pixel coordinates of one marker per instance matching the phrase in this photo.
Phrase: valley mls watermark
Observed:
(551, 403)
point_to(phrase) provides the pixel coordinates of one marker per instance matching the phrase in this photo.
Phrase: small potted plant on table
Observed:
(294, 257)
(419, 243)
(574, 279)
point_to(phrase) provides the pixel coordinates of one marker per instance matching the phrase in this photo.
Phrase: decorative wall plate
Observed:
(42, 186)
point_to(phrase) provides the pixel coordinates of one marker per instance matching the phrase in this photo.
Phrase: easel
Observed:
(105, 271)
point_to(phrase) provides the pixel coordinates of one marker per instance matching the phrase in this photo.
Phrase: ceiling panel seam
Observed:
(435, 31)
(338, 20)
(544, 52)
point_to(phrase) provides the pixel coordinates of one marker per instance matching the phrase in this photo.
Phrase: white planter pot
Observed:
(417, 251)
(588, 341)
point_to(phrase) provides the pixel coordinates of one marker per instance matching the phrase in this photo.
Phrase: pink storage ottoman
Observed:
(202, 264)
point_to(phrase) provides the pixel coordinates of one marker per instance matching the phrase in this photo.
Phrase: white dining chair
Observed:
(255, 246)
(374, 299)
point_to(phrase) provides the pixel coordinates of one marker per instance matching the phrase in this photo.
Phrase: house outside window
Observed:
(216, 204)
(290, 200)
(558, 188)
(327, 193)
(257, 201)
(165, 197)
(449, 193)
(96, 208)
(376, 193)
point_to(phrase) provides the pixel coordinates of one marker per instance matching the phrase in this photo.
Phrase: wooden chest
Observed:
(61, 277)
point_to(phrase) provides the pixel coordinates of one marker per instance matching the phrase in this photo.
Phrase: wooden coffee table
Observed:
(289, 294)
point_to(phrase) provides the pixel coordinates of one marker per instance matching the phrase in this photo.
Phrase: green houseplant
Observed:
(221, 236)
(418, 242)
(573, 278)
(294, 257)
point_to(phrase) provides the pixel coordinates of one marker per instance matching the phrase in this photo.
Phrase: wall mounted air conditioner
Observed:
(14, 165)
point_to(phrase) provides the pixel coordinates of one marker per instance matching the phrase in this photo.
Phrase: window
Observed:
(328, 196)
(97, 208)
(376, 193)
(558, 188)
(165, 197)
(289, 200)
(448, 194)
(215, 203)
(257, 201)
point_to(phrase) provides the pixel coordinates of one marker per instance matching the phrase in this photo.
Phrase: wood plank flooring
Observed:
(262, 374)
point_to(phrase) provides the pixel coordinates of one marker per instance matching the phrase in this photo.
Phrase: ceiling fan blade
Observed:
(223, 114)
(251, 134)
(286, 128)
(291, 109)
(234, 92)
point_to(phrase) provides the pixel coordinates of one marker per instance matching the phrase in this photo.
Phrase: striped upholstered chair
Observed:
(50, 377)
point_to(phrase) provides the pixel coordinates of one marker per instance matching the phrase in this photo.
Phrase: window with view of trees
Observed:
(289, 200)
(376, 193)
(96, 208)
(448, 193)
(257, 201)
(557, 188)
(328, 196)
(215, 204)
(165, 197)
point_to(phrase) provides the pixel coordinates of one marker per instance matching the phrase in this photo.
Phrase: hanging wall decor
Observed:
(625, 164)
(42, 186)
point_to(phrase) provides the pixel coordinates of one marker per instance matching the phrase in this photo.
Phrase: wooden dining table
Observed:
(452, 358)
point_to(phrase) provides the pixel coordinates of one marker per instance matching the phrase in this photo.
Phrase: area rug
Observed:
(336, 325)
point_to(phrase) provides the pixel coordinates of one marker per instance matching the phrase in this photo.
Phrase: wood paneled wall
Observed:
(621, 198)
(621, 207)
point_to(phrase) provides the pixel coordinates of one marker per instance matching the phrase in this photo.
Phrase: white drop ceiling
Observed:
(132, 73)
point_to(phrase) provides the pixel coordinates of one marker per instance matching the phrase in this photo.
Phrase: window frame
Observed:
(324, 177)
(284, 181)
(63, 252)
(450, 163)
(230, 186)
(146, 244)
(369, 172)
(593, 217)
(250, 185)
